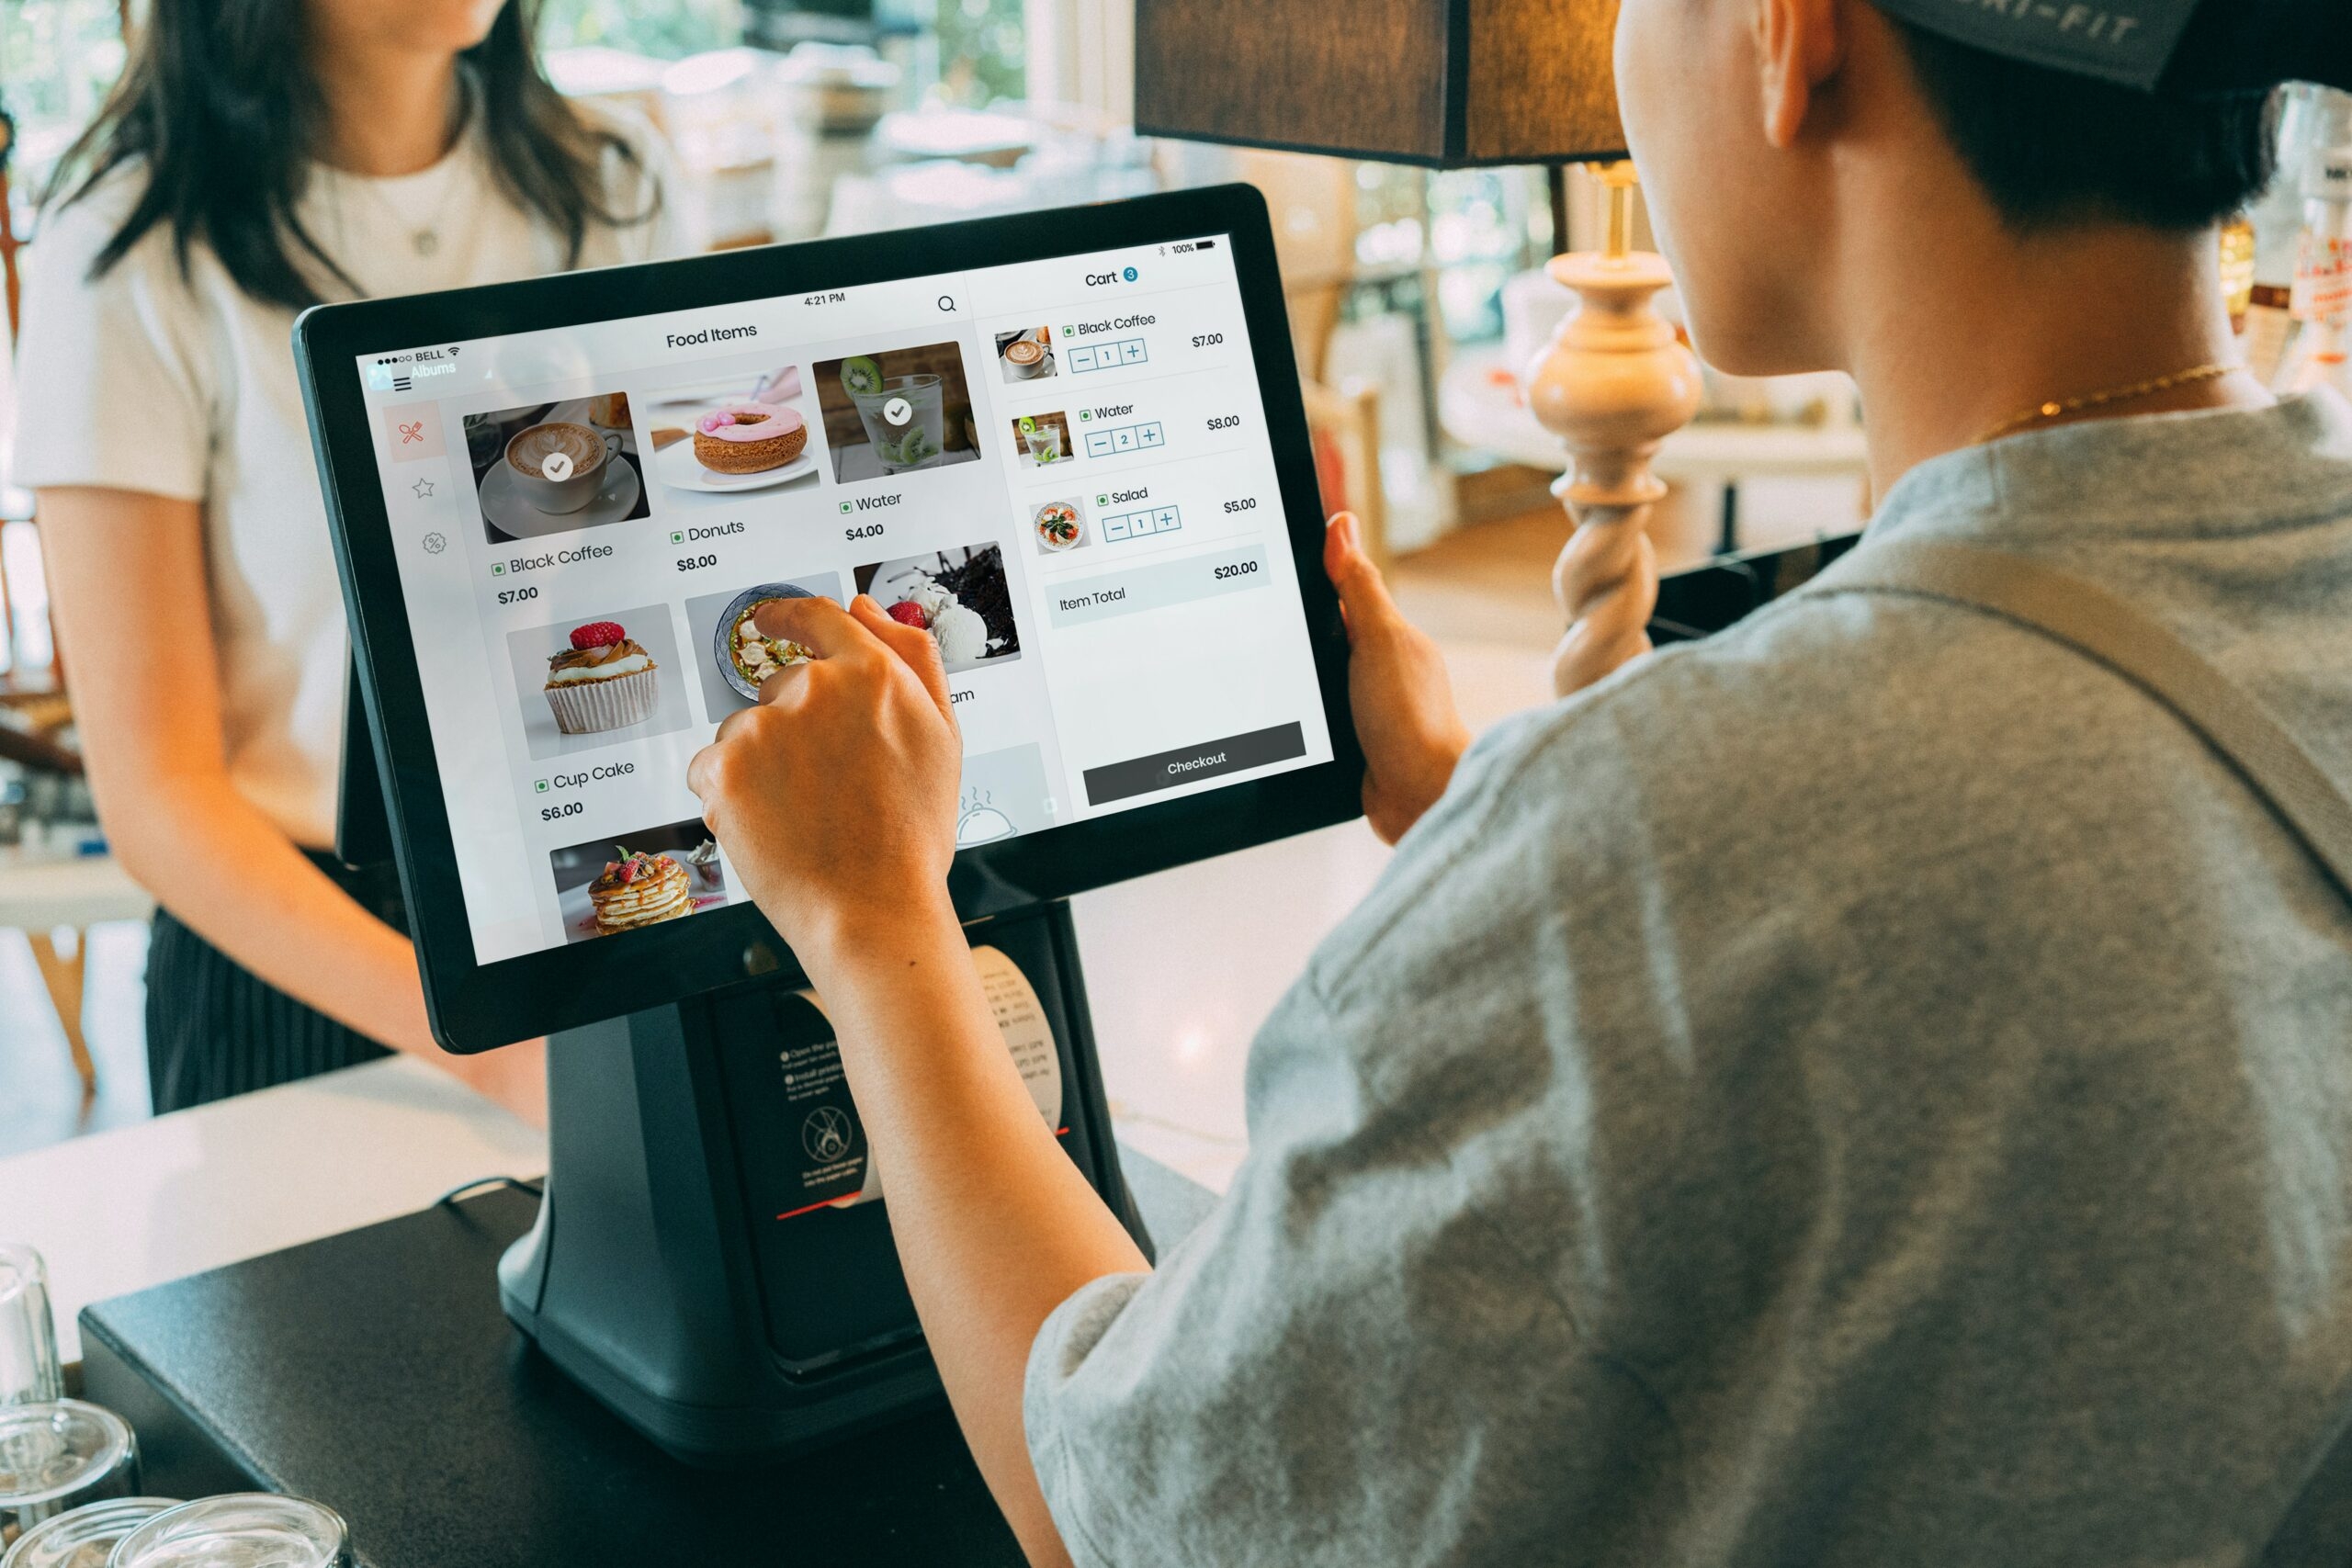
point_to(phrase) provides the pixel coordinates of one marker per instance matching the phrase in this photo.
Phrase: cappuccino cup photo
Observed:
(1025, 356)
(552, 467)
(560, 464)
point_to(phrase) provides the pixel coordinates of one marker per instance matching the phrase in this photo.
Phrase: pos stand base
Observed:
(677, 1270)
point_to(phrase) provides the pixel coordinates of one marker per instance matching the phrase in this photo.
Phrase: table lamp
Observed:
(1458, 84)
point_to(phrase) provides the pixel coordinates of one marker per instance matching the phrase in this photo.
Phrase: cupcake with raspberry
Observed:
(603, 680)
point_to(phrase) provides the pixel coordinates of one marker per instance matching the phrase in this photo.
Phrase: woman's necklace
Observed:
(424, 235)
(424, 232)
(2059, 407)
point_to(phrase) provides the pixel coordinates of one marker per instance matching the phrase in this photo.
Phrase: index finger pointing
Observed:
(821, 626)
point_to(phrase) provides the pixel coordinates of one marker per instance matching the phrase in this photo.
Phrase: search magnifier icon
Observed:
(947, 302)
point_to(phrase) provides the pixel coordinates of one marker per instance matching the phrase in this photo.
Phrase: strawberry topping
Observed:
(907, 613)
(598, 634)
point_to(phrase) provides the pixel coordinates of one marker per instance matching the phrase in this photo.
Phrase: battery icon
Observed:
(1204, 244)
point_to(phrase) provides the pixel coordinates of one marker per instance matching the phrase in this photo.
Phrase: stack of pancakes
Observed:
(640, 891)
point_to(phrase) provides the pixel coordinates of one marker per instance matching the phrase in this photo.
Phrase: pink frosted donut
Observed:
(748, 438)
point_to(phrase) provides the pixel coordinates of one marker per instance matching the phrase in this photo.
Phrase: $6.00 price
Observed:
(556, 813)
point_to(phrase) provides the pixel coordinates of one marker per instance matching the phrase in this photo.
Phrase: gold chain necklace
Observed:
(2059, 407)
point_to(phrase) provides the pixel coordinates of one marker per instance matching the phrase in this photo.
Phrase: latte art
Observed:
(530, 450)
(1024, 351)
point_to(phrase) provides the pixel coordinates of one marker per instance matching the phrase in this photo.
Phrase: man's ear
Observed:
(1799, 46)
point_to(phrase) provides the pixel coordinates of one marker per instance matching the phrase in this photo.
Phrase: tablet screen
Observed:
(1060, 470)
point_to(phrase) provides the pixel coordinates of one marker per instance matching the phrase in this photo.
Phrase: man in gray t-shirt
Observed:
(1871, 1087)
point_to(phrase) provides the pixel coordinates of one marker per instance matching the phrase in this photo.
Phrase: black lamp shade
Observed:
(1444, 83)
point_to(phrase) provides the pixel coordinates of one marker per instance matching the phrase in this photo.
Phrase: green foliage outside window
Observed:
(982, 51)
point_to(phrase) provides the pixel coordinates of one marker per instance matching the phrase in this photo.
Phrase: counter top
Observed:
(121, 1210)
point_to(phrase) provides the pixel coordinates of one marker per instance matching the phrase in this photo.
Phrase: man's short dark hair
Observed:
(2054, 150)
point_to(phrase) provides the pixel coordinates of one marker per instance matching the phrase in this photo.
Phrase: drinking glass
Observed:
(85, 1538)
(245, 1530)
(58, 1455)
(28, 1368)
(918, 442)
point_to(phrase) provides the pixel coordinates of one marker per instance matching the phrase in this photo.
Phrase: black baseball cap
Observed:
(2185, 48)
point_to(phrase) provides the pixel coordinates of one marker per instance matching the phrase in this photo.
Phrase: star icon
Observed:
(423, 489)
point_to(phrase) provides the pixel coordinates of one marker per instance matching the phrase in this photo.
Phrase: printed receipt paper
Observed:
(838, 1169)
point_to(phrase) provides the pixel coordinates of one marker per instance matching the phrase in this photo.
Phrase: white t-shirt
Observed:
(181, 385)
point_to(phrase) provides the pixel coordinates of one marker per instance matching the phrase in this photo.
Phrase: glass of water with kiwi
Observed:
(918, 442)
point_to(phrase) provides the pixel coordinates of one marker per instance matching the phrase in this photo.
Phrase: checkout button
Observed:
(1166, 770)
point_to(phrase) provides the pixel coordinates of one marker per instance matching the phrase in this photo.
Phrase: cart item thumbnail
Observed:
(1043, 439)
(555, 468)
(1059, 526)
(895, 411)
(1026, 355)
(959, 596)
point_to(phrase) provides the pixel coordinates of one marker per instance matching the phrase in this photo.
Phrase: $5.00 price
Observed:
(1247, 503)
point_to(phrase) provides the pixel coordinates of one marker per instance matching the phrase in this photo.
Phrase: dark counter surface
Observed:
(375, 1372)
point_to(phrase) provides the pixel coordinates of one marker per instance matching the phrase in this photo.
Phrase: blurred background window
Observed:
(793, 118)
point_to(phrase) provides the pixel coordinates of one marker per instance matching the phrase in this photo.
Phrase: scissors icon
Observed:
(412, 433)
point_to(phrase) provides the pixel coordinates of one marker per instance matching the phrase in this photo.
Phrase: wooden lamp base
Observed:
(1613, 384)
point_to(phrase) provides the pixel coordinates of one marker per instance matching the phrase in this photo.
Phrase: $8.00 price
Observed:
(1225, 422)
(695, 563)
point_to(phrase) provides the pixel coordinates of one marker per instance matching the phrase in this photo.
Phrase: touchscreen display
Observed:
(1060, 470)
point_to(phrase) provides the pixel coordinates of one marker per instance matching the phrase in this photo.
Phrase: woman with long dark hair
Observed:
(260, 156)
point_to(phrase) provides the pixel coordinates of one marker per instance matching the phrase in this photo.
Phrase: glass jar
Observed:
(85, 1538)
(28, 1368)
(56, 1457)
(245, 1530)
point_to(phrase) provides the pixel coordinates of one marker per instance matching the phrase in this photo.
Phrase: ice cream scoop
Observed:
(962, 636)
